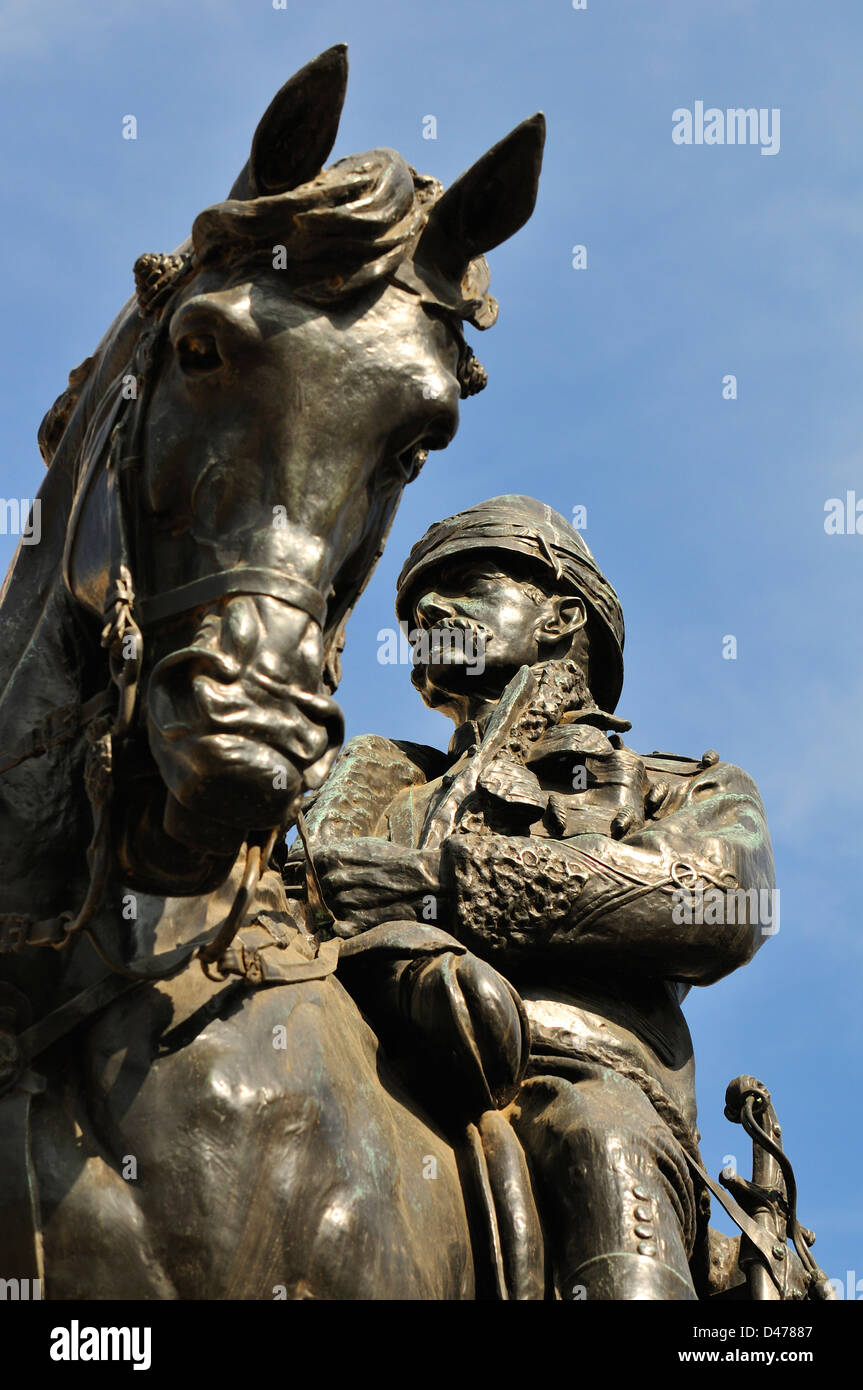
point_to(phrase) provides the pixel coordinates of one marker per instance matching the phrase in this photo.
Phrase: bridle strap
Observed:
(242, 579)
(58, 727)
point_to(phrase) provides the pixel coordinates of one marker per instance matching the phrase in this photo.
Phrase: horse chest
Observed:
(240, 1144)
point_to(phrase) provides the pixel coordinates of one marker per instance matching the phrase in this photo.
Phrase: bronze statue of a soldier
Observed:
(523, 915)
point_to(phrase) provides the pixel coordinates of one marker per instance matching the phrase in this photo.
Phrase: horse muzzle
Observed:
(238, 722)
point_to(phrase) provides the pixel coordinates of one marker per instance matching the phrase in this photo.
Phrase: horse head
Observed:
(244, 438)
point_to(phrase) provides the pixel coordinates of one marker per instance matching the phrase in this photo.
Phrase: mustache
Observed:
(445, 628)
(449, 639)
(456, 621)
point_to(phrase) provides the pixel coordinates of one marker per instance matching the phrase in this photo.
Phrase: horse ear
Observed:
(486, 204)
(298, 128)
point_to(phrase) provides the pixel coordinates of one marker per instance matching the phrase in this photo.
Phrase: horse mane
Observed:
(353, 223)
(54, 423)
(74, 407)
(33, 582)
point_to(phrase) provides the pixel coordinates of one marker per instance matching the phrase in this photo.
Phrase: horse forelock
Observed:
(349, 225)
(358, 221)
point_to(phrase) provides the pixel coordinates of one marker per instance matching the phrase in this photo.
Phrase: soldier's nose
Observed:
(431, 608)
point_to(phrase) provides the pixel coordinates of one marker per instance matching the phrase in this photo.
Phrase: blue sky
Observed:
(605, 390)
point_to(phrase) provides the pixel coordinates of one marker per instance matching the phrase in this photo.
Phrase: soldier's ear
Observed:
(563, 616)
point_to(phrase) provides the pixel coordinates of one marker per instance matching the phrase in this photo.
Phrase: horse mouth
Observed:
(234, 742)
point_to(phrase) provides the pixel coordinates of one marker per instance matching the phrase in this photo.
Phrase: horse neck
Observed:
(43, 666)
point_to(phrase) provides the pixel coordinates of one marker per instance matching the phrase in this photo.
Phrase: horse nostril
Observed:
(198, 354)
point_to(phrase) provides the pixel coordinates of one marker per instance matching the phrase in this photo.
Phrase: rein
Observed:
(117, 432)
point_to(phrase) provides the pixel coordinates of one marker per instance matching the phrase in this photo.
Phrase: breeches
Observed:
(615, 1194)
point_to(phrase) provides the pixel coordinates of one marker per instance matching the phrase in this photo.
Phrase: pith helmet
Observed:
(532, 529)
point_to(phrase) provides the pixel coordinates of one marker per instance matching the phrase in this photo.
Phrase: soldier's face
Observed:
(476, 624)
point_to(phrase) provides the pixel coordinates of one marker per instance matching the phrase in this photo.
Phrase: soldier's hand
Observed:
(472, 1023)
(367, 881)
(618, 795)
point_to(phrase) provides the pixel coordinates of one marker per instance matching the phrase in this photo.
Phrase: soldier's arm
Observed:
(596, 899)
(427, 996)
(370, 772)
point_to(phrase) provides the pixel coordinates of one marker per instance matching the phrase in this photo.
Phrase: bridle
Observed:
(113, 443)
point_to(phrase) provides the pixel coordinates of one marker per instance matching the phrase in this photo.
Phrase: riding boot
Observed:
(628, 1276)
(616, 1199)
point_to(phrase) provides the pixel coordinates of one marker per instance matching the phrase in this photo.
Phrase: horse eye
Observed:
(197, 354)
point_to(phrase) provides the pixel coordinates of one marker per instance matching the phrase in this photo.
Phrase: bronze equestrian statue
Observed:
(222, 476)
(523, 915)
(210, 1085)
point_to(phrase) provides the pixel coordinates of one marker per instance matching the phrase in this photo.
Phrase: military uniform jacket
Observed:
(601, 883)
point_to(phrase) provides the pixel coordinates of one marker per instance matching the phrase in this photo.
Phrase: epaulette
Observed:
(678, 764)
